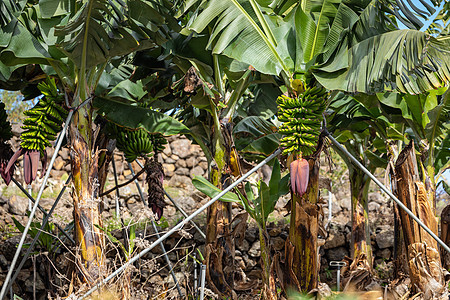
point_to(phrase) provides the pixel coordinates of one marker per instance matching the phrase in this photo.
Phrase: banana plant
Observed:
(329, 44)
(75, 43)
(400, 119)
(425, 118)
(366, 134)
(212, 87)
(259, 207)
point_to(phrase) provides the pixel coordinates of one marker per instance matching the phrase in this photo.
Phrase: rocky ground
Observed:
(46, 273)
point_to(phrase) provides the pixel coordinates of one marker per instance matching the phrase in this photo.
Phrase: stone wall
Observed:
(181, 161)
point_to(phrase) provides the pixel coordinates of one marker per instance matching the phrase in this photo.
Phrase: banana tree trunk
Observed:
(445, 236)
(220, 247)
(361, 246)
(90, 260)
(400, 261)
(423, 256)
(269, 290)
(302, 257)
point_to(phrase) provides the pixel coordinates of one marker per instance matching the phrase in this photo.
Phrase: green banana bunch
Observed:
(133, 143)
(158, 142)
(44, 120)
(302, 117)
(5, 126)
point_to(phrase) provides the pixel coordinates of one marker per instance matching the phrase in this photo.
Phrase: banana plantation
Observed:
(286, 104)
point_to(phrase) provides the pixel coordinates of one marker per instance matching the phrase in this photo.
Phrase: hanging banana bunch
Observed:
(44, 122)
(158, 142)
(5, 147)
(133, 143)
(302, 117)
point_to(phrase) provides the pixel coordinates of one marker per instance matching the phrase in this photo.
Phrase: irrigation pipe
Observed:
(195, 276)
(44, 222)
(38, 198)
(166, 257)
(181, 224)
(117, 190)
(185, 215)
(202, 282)
(41, 208)
(402, 206)
(330, 206)
(179, 208)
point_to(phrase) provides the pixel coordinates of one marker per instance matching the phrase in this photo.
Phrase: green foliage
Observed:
(262, 206)
(369, 64)
(341, 43)
(209, 189)
(134, 117)
(258, 208)
(47, 237)
(163, 223)
(255, 136)
(128, 251)
(7, 231)
(359, 124)
(427, 117)
(44, 120)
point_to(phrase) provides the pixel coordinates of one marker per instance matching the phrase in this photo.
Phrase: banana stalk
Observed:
(220, 246)
(90, 258)
(302, 259)
(424, 261)
(361, 244)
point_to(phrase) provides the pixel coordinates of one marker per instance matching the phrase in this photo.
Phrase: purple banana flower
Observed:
(155, 179)
(299, 176)
(30, 163)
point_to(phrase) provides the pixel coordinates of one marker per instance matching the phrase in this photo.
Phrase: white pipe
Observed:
(202, 282)
(195, 276)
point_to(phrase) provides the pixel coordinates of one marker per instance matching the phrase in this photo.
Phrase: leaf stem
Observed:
(252, 22)
(263, 22)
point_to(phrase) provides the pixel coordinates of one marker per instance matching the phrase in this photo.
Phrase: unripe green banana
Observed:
(44, 119)
(302, 120)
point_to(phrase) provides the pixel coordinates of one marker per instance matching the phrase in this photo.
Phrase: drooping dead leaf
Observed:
(357, 275)
(191, 81)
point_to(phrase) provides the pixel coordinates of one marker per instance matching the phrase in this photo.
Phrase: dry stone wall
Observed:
(181, 161)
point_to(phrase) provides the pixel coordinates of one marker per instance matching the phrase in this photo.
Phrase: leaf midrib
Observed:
(261, 33)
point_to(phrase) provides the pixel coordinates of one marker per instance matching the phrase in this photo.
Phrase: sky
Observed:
(419, 5)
